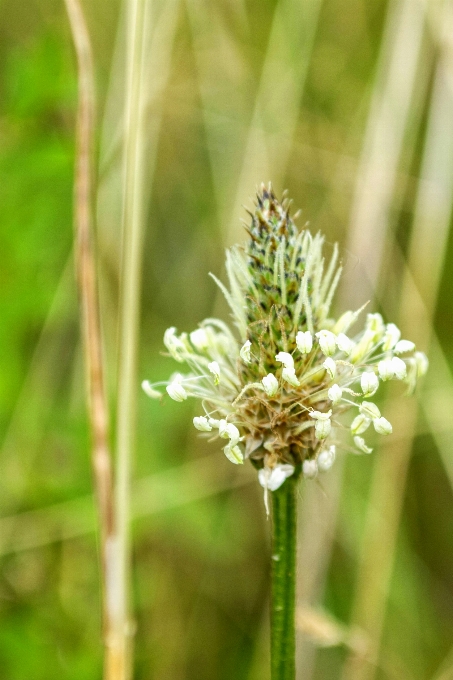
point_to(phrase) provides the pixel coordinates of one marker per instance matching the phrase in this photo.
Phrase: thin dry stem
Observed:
(87, 282)
(375, 177)
(418, 300)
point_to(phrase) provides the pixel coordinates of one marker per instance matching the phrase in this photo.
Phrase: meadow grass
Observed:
(347, 105)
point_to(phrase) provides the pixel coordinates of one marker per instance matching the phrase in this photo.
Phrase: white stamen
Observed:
(202, 423)
(148, 389)
(391, 337)
(399, 368)
(289, 375)
(422, 363)
(322, 428)
(270, 384)
(215, 370)
(199, 339)
(176, 391)
(335, 393)
(344, 343)
(310, 468)
(304, 342)
(404, 346)
(369, 382)
(330, 367)
(326, 459)
(382, 426)
(285, 359)
(370, 410)
(233, 453)
(360, 424)
(327, 342)
(360, 443)
(245, 352)
(385, 369)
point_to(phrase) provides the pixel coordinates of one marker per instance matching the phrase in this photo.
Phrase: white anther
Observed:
(399, 368)
(273, 479)
(304, 341)
(360, 424)
(215, 370)
(331, 367)
(385, 369)
(310, 468)
(391, 336)
(289, 375)
(233, 453)
(286, 359)
(404, 346)
(422, 363)
(200, 339)
(382, 426)
(270, 384)
(322, 428)
(320, 415)
(174, 344)
(327, 342)
(176, 391)
(370, 410)
(344, 343)
(229, 431)
(375, 323)
(202, 423)
(335, 393)
(326, 459)
(369, 382)
(245, 352)
(360, 443)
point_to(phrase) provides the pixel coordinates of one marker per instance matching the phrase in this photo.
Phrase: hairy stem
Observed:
(283, 602)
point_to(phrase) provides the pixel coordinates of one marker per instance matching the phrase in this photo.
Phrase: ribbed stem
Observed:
(283, 602)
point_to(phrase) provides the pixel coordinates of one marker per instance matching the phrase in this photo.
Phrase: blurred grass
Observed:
(236, 91)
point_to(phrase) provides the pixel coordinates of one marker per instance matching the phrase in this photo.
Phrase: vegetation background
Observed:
(348, 105)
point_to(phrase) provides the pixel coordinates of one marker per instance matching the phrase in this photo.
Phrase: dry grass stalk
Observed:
(418, 300)
(130, 286)
(387, 124)
(376, 173)
(87, 281)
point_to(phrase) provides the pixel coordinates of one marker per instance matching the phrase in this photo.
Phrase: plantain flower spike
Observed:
(278, 385)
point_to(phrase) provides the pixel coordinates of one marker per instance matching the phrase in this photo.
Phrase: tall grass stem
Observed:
(89, 305)
(132, 236)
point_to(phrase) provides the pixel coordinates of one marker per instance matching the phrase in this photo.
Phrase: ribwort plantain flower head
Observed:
(276, 386)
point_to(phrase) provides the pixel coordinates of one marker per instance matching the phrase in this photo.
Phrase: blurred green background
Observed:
(348, 105)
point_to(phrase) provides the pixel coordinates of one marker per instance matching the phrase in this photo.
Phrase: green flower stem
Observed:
(283, 602)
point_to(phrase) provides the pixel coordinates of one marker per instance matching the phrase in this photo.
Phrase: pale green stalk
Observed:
(132, 238)
(390, 112)
(426, 256)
